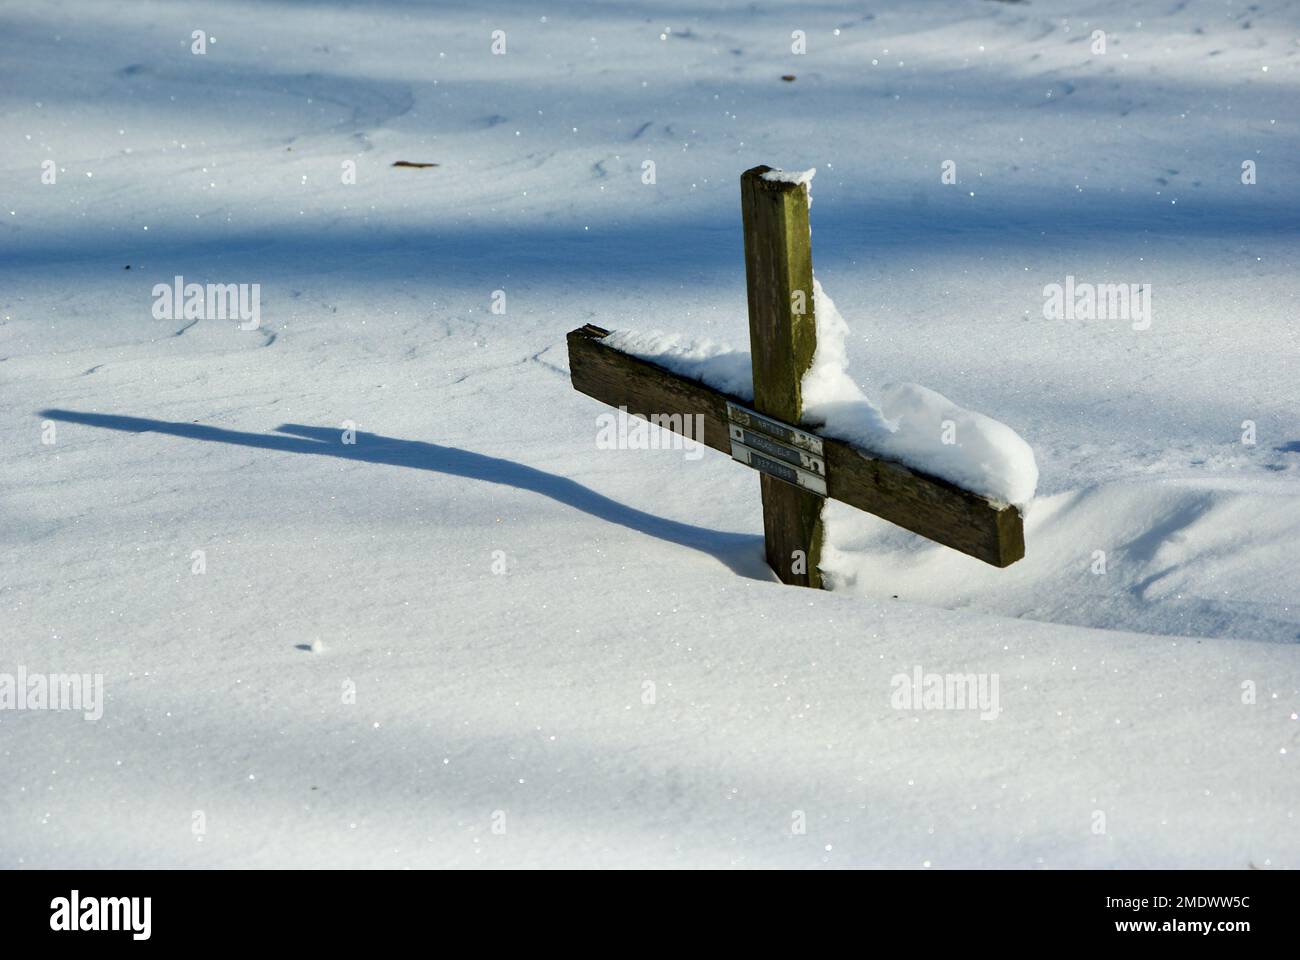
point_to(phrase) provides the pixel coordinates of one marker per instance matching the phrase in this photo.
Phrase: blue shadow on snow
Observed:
(741, 553)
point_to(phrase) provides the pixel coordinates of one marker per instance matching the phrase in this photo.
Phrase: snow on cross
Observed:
(799, 467)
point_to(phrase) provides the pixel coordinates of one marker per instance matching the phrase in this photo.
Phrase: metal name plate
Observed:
(777, 449)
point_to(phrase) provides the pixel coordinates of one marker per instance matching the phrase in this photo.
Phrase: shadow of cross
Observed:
(798, 467)
(733, 549)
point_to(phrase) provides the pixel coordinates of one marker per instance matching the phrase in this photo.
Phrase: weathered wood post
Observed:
(782, 340)
(799, 467)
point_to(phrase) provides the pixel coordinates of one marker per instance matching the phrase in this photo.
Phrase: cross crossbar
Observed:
(924, 504)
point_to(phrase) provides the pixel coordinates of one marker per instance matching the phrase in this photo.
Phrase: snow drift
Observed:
(912, 424)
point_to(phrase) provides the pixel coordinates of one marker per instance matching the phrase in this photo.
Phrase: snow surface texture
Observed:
(498, 591)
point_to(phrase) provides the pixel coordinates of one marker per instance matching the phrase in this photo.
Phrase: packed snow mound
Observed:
(792, 176)
(1181, 556)
(984, 455)
(719, 365)
(911, 424)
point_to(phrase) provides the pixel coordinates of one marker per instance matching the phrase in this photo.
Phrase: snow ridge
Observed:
(912, 424)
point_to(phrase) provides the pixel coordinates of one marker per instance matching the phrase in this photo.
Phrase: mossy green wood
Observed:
(783, 339)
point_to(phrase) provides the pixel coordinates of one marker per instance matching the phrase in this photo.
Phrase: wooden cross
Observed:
(798, 467)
